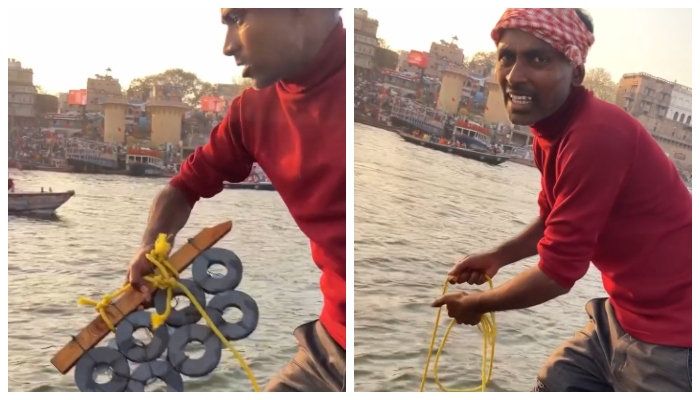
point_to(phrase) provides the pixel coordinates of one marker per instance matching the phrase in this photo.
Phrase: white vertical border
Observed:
(4, 148)
(694, 37)
(350, 203)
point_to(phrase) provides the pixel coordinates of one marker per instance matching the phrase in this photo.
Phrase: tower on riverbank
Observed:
(115, 119)
(451, 83)
(166, 109)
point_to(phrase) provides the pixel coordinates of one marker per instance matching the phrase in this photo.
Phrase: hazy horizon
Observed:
(655, 41)
(129, 42)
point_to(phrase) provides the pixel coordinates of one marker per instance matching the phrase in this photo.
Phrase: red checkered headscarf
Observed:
(561, 28)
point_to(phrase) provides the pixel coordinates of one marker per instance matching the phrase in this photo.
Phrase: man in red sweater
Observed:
(293, 125)
(609, 196)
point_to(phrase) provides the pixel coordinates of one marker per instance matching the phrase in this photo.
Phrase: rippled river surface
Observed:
(84, 252)
(417, 211)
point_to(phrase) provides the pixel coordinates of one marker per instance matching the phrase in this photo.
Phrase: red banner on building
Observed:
(77, 97)
(211, 104)
(418, 59)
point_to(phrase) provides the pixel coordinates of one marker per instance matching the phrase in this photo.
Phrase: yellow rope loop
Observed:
(101, 306)
(487, 326)
(166, 278)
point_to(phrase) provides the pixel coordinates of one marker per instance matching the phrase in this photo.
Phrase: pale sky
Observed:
(70, 45)
(656, 41)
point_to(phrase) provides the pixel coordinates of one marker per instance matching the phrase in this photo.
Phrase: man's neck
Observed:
(318, 34)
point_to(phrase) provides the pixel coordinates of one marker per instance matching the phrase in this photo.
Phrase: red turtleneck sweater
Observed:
(295, 131)
(612, 197)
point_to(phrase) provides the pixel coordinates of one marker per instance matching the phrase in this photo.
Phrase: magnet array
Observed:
(149, 366)
(100, 357)
(144, 373)
(211, 257)
(194, 367)
(130, 348)
(247, 306)
(187, 315)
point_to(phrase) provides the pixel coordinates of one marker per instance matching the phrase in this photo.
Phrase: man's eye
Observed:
(236, 19)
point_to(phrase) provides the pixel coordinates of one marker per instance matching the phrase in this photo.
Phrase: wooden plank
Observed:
(95, 331)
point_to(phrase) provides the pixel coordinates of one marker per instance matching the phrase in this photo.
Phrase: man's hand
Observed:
(475, 268)
(139, 267)
(461, 306)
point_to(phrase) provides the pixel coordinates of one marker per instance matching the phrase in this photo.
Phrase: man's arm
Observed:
(530, 288)
(522, 246)
(169, 214)
(223, 158)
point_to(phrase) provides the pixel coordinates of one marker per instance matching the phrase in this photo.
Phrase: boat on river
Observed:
(56, 165)
(146, 162)
(381, 123)
(491, 159)
(466, 139)
(37, 202)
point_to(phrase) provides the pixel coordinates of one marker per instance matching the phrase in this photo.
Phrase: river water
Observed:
(84, 252)
(417, 212)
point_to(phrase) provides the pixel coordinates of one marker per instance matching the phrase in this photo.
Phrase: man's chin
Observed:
(259, 84)
(522, 119)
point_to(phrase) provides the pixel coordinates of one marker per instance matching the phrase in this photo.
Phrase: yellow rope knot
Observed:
(487, 326)
(166, 278)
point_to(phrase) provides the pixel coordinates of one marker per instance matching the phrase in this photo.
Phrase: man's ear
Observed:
(578, 73)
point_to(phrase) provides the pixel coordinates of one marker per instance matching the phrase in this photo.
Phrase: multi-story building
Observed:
(680, 108)
(664, 108)
(21, 93)
(441, 55)
(98, 89)
(366, 42)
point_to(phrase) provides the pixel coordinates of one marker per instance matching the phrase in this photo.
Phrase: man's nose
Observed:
(517, 74)
(232, 43)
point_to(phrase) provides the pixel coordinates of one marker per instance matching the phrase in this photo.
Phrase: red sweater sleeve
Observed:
(223, 159)
(592, 165)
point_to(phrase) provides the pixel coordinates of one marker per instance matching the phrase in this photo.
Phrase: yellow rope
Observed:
(487, 326)
(166, 278)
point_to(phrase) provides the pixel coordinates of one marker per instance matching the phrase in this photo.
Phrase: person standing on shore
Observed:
(609, 196)
(292, 123)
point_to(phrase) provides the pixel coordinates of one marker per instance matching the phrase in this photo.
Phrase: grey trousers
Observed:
(318, 366)
(604, 358)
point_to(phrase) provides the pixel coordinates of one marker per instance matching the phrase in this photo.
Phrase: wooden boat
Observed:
(365, 120)
(491, 159)
(57, 165)
(266, 186)
(37, 202)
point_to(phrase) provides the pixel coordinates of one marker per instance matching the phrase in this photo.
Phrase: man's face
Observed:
(535, 78)
(267, 42)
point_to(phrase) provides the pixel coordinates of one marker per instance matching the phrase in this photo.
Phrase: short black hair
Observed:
(585, 18)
